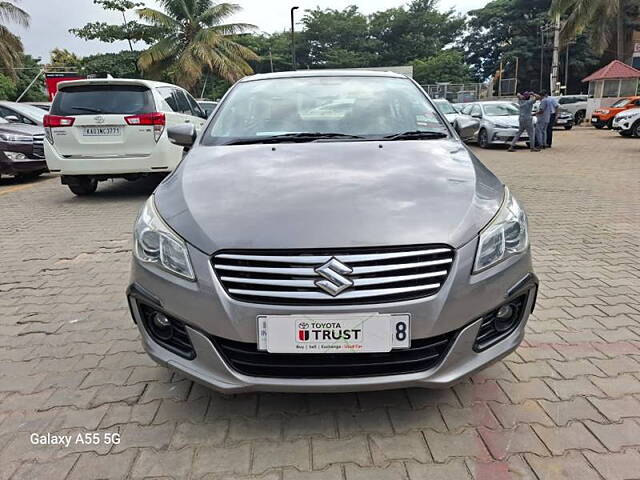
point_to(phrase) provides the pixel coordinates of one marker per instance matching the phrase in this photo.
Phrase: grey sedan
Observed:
(498, 122)
(362, 248)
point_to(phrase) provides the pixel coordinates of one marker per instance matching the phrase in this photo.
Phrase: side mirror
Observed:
(182, 135)
(12, 119)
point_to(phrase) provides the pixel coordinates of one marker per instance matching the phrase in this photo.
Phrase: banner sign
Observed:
(53, 79)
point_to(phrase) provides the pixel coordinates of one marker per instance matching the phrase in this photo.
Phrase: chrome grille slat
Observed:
(38, 145)
(310, 272)
(359, 275)
(311, 283)
(323, 296)
(313, 259)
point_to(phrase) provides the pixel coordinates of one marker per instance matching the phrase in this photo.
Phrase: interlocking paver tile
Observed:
(454, 469)
(575, 436)
(616, 409)
(326, 452)
(572, 465)
(614, 436)
(392, 472)
(528, 411)
(616, 466)
(565, 411)
(267, 455)
(504, 443)
(466, 443)
(399, 447)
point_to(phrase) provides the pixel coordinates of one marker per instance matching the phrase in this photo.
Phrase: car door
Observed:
(171, 109)
(185, 110)
(199, 115)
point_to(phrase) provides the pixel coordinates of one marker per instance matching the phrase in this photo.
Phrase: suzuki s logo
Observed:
(99, 119)
(334, 280)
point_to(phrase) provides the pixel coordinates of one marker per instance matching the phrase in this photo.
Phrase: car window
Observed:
(93, 99)
(195, 108)
(28, 113)
(445, 107)
(467, 109)
(362, 106)
(476, 110)
(500, 109)
(621, 103)
(167, 95)
(182, 102)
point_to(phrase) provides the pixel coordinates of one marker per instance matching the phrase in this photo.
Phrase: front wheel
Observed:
(635, 129)
(579, 116)
(84, 186)
(625, 133)
(483, 139)
(568, 127)
(610, 124)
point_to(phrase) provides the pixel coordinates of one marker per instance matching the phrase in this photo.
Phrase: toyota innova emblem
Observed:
(334, 280)
(99, 119)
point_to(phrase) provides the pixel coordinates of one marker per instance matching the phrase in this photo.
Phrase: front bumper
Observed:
(506, 135)
(17, 167)
(208, 312)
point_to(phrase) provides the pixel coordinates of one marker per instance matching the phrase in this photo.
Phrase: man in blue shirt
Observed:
(544, 117)
(554, 104)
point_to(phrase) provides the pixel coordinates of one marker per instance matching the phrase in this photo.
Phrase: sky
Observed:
(52, 19)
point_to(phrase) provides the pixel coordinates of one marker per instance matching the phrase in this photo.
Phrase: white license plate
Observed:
(344, 333)
(594, 120)
(101, 131)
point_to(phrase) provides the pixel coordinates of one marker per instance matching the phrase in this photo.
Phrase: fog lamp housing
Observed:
(500, 323)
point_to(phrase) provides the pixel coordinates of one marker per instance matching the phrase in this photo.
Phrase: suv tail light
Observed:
(156, 119)
(55, 121)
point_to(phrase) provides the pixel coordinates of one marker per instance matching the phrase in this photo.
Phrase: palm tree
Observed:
(196, 41)
(603, 17)
(10, 44)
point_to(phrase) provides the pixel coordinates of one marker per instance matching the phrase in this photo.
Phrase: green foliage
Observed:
(446, 66)
(61, 57)
(10, 44)
(30, 68)
(7, 88)
(119, 65)
(130, 31)
(197, 40)
(509, 29)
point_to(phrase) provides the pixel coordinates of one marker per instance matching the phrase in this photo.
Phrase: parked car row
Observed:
(21, 140)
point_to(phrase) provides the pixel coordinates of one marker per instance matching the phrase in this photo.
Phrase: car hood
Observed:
(510, 120)
(20, 128)
(329, 194)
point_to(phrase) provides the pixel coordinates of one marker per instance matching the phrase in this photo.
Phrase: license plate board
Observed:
(341, 333)
(101, 131)
(594, 120)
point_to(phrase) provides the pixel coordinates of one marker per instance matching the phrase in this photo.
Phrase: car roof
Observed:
(114, 81)
(322, 73)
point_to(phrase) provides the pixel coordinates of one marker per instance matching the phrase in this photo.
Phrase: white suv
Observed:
(627, 123)
(107, 128)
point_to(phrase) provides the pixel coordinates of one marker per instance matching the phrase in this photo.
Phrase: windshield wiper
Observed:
(88, 109)
(416, 135)
(294, 137)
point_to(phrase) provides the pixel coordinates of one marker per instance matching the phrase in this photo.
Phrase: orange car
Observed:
(603, 117)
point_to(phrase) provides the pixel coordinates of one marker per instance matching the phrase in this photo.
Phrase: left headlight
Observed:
(16, 138)
(155, 242)
(505, 236)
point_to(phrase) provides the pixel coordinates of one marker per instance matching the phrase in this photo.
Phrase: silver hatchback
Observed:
(329, 231)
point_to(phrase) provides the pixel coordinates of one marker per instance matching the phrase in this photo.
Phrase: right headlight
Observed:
(506, 235)
(155, 242)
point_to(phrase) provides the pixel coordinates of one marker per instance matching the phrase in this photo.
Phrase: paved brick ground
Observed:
(566, 405)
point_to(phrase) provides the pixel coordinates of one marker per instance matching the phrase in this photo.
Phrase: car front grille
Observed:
(334, 277)
(245, 358)
(38, 145)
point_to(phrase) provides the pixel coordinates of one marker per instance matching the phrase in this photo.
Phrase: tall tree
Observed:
(10, 44)
(196, 41)
(61, 57)
(129, 30)
(603, 19)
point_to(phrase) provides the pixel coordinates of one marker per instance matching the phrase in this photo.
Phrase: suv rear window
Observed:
(106, 99)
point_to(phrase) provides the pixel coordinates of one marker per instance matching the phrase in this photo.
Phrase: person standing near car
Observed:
(554, 105)
(525, 120)
(543, 116)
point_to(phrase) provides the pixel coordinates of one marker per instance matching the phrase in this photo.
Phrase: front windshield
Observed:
(367, 107)
(445, 107)
(621, 103)
(30, 111)
(500, 109)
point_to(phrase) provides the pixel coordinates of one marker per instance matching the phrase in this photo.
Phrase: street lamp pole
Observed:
(293, 39)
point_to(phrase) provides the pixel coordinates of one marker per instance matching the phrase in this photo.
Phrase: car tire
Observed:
(610, 124)
(635, 129)
(599, 125)
(483, 139)
(568, 127)
(83, 187)
(580, 116)
(625, 133)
